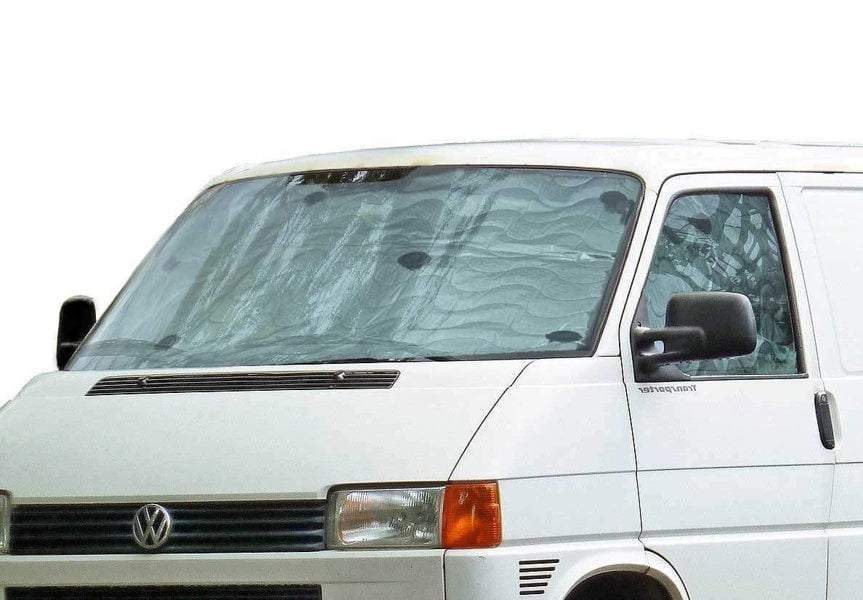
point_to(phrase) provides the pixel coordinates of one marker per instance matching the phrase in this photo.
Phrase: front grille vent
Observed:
(291, 526)
(226, 592)
(244, 382)
(534, 576)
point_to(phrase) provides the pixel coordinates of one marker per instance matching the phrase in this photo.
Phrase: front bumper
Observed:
(499, 573)
(382, 575)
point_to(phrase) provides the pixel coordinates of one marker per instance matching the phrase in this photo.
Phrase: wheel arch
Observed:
(654, 572)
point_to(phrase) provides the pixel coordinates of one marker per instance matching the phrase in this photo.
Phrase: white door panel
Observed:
(734, 499)
(827, 212)
(735, 483)
(744, 565)
(846, 532)
(726, 423)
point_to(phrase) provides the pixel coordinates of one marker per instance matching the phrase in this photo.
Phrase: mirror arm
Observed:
(686, 338)
(68, 348)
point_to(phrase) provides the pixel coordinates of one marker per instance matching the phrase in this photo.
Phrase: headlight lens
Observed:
(456, 515)
(386, 518)
(5, 509)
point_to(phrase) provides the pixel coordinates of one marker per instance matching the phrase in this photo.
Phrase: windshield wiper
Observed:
(342, 361)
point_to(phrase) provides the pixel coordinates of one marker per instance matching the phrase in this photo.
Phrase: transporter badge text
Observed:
(666, 389)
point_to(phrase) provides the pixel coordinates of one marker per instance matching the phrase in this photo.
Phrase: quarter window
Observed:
(726, 242)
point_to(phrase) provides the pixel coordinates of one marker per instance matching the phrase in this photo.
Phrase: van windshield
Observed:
(395, 264)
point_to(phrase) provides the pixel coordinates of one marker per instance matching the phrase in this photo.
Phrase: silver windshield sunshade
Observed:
(427, 263)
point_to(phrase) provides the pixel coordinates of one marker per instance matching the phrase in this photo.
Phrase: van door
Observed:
(827, 212)
(733, 477)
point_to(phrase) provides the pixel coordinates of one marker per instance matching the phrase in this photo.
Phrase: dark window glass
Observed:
(726, 242)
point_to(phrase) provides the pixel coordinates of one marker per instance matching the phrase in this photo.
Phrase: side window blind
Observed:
(726, 242)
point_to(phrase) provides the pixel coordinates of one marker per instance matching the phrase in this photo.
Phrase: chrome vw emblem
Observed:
(151, 526)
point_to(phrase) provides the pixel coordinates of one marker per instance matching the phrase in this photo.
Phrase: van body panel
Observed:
(574, 507)
(653, 160)
(715, 486)
(497, 573)
(732, 474)
(573, 464)
(829, 208)
(747, 565)
(691, 441)
(846, 528)
(199, 445)
(828, 221)
(579, 424)
(735, 499)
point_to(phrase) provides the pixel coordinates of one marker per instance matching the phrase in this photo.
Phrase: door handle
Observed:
(825, 420)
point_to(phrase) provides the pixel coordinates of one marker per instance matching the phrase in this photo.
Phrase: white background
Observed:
(114, 114)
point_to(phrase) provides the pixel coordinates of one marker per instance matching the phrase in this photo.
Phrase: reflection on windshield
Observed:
(428, 263)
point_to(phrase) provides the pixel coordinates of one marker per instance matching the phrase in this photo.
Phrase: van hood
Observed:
(61, 445)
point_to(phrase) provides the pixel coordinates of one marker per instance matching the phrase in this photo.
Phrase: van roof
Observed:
(652, 160)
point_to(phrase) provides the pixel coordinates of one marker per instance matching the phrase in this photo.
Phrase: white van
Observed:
(567, 370)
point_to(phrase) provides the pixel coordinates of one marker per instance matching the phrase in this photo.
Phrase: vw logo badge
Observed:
(151, 526)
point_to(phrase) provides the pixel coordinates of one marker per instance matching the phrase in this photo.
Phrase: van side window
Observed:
(726, 242)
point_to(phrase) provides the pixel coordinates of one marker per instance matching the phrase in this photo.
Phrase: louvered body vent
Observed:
(534, 575)
(244, 382)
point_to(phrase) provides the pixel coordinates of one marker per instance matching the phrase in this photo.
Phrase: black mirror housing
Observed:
(77, 317)
(698, 326)
(726, 318)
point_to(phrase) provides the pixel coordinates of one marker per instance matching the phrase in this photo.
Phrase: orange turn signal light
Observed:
(471, 515)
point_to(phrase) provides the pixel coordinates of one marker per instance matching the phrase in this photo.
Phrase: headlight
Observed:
(5, 509)
(457, 515)
(386, 518)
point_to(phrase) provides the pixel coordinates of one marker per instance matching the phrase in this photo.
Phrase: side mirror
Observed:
(77, 317)
(700, 325)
